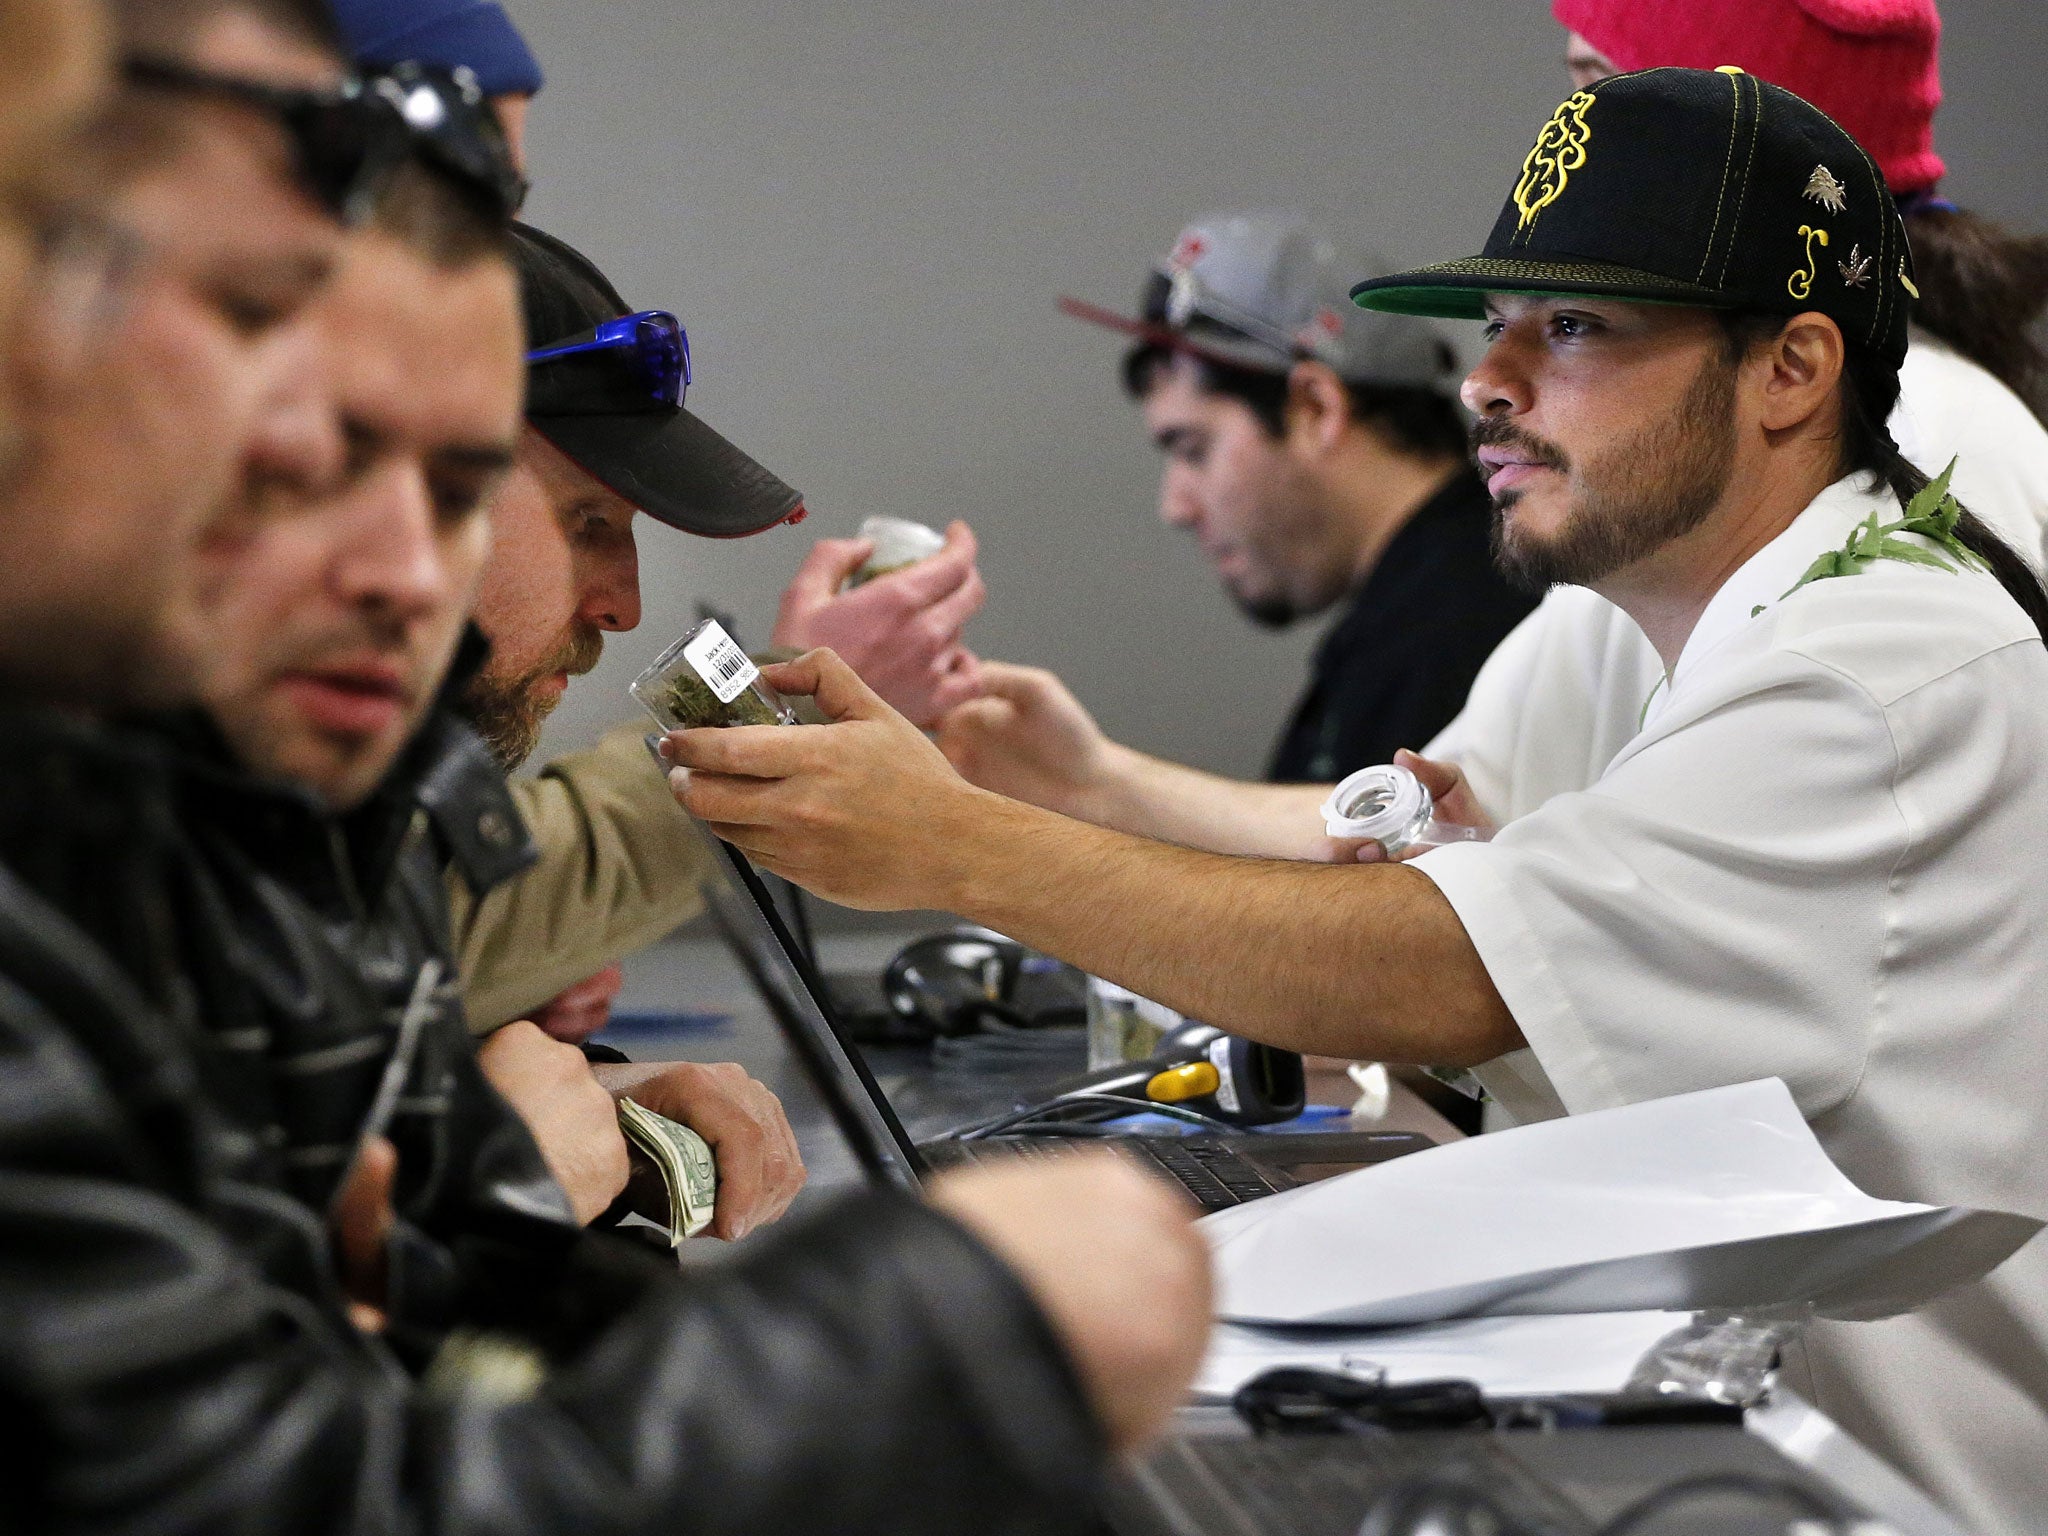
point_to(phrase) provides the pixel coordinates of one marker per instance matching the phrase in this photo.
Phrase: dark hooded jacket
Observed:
(190, 969)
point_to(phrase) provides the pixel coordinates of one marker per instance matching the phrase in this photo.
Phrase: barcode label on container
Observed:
(726, 669)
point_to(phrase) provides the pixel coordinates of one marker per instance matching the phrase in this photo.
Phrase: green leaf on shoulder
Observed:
(1931, 498)
(1932, 514)
(1913, 554)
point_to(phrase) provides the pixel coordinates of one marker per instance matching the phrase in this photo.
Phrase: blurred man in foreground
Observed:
(259, 1356)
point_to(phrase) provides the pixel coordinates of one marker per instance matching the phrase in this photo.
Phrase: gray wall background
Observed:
(864, 213)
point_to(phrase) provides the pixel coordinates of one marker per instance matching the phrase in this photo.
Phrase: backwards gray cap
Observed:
(1267, 289)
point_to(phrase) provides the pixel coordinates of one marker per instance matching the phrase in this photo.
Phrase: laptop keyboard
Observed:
(1214, 1176)
(1323, 1486)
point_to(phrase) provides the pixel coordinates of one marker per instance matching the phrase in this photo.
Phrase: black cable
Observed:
(1075, 1130)
(973, 1054)
(1776, 1490)
(1099, 1106)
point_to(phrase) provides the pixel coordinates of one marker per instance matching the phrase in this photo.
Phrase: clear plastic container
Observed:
(1393, 808)
(1123, 1026)
(898, 542)
(706, 679)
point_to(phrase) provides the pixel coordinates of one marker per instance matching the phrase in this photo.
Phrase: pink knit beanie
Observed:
(1871, 65)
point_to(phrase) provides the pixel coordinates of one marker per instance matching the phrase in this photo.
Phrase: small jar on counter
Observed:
(1123, 1026)
(706, 679)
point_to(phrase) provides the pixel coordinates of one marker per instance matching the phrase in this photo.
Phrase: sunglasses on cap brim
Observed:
(349, 140)
(622, 367)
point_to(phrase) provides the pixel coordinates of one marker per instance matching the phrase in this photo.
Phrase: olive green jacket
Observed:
(619, 869)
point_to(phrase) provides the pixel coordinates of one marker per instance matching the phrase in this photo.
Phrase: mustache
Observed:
(387, 643)
(580, 650)
(1499, 432)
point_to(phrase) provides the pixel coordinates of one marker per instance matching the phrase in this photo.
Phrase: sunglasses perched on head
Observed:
(349, 140)
(451, 123)
(622, 365)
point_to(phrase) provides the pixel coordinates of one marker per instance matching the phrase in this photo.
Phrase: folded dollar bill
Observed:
(686, 1164)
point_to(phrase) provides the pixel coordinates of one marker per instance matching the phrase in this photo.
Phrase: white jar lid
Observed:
(898, 541)
(1374, 802)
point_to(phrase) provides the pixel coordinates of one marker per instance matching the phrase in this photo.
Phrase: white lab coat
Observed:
(1949, 408)
(1821, 859)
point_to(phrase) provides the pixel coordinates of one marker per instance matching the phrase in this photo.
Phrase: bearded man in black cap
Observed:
(609, 435)
(1811, 855)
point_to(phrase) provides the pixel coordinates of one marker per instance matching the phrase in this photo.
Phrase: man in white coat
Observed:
(1813, 854)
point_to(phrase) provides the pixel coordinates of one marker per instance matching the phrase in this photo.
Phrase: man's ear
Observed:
(1800, 368)
(1318, 407)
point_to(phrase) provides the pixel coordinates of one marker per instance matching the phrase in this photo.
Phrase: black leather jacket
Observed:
(175, 1353)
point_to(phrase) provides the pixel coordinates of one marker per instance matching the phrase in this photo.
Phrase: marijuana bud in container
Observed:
(898, 543)
(1392, 807)
(706, 679)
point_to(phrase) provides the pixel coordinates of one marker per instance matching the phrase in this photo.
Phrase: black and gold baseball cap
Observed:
(1688, 186)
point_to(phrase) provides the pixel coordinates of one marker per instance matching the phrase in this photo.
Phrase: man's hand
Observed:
(1112, 1258)
(1028, 737)
(900, 632)
(865, 811)
(576, 1013)
(760, 1169)
(360, 1222)
(1455, 803)
(569, 1112)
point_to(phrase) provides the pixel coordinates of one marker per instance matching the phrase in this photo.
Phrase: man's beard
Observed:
(508, 713)
(1267, 612)
(1638, 497)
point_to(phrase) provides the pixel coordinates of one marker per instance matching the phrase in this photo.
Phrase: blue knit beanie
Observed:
(450, 33)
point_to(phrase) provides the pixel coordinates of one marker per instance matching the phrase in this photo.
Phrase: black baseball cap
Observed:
(659, 457)
(1689, 186)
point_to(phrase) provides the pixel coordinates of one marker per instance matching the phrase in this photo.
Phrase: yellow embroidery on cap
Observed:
(1905, 281)
(1800, 283)
(1560, 149)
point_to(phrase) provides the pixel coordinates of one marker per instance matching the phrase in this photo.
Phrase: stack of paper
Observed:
(1716, 1200)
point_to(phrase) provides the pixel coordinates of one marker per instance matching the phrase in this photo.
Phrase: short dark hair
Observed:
(140, 129)
(451, 221)
(1413, 419)
(159, 26)
(1869, 395)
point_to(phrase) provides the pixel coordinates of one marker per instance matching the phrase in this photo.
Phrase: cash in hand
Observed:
(686, 1164)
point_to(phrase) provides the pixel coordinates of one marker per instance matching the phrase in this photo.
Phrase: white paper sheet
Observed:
(1713, 1200)
(1506, 1356)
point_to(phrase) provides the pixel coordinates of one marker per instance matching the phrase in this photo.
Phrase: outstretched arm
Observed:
(1030, 739)
(1359, 960)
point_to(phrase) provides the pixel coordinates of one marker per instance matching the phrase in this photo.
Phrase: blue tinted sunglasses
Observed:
(621, 366)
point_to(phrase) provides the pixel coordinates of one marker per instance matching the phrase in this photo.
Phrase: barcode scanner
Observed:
(1198, 1067)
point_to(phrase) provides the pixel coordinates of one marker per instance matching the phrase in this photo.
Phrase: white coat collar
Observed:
(1760, 581)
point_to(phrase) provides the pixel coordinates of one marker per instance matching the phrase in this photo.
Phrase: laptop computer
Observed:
(1209, 1476)
(1216, 1171)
